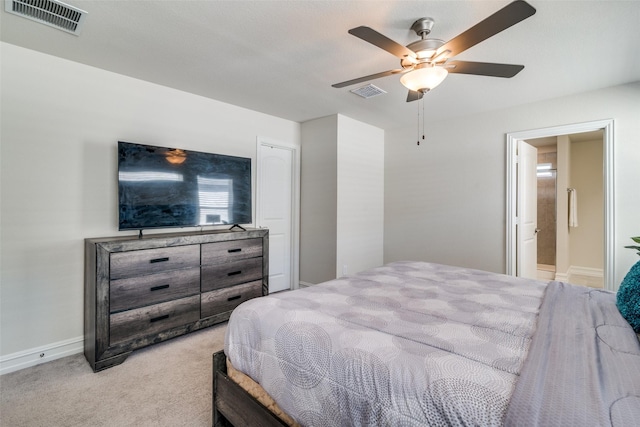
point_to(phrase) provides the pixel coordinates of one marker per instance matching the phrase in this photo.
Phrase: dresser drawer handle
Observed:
(155, 319)
(157, 288)
(153, 261)
(234, 250)
(234, 298)
(234, 273)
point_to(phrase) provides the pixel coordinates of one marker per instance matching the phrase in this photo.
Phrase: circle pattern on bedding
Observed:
(304, 351)
(474, 403)
(361, 372)
(373, 302)
(361, 321)
(611, 336)
(359, 377)
(423, 344)
(625, 411)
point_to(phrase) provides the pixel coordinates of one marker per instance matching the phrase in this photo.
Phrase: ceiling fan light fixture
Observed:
(426, 48)
(424, 79)
(425, 54)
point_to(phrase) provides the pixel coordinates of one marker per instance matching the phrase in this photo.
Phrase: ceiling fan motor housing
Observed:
(424, 50)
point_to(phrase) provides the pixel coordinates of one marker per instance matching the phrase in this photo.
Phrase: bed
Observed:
(416, 343)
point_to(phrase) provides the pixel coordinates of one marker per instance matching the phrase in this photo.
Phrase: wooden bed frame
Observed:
(232, 405)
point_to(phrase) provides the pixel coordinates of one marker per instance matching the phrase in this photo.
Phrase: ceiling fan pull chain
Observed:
(423, 118)
(418, 132)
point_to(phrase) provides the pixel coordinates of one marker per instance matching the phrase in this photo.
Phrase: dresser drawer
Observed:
(215, 253)
(153, 319)
(148, 261)
(231, 273)
(125, 294)
(223, 300)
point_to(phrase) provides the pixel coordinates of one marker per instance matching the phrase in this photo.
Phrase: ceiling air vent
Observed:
(49, 12)
(368, 91)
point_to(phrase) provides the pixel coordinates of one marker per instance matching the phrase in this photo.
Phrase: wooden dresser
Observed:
(141, 291)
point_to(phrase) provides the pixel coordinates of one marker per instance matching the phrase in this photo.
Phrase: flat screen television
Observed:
(162, 187)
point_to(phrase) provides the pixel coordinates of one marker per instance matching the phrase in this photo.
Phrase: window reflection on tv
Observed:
(162, 187)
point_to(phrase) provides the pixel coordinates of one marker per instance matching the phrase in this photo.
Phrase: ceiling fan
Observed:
(427, 62)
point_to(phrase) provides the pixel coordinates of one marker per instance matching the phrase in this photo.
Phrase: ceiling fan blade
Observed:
(369, 77)
(414, 96)
(509, 15)
(483, 68)
(383, 42)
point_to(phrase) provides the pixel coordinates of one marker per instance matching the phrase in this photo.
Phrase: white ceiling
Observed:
(281, 57)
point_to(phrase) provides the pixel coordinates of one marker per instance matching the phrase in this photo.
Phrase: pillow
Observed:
(628, 298)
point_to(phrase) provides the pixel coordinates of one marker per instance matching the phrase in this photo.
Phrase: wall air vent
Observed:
(49, 12)
(368, 91)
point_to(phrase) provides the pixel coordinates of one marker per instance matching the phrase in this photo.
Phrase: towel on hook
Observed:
(573, 208)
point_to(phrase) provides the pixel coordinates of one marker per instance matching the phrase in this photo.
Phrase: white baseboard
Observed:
(585, 271)
(586, 276)
(35, 356)
(545, 275)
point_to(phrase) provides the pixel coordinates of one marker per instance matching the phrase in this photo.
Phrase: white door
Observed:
(527, 212)
(275, 198)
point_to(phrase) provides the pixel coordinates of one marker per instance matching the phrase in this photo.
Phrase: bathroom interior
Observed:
(570, 218)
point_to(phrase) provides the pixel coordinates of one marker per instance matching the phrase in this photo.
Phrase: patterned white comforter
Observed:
(406, 344)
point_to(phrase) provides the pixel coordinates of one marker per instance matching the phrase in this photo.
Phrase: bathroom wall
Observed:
(547, 206)
(586, 241)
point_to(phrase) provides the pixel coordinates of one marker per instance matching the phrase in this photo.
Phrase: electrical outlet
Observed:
(345, 270)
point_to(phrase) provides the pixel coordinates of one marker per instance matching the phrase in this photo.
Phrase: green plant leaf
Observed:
(637, 240)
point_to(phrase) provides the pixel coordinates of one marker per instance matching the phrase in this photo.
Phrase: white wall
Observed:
(342, 198)
(360, 226)
(318, 199)
(60, 125)
(445, 199)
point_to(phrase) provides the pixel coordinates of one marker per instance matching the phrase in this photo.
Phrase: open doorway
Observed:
(562, 271)
(570, 208)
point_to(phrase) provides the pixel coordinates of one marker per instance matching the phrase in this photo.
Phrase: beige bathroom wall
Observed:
(587, 240)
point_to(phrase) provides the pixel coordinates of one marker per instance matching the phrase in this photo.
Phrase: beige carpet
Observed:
(168, 384)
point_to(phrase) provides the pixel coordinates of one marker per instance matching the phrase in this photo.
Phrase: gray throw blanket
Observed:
(583, 366)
